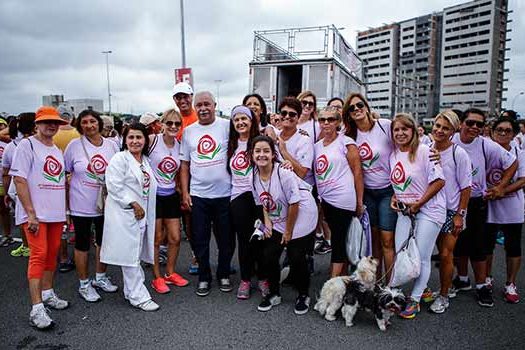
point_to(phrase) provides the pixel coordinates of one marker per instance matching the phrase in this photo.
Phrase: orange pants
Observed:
(44, 247)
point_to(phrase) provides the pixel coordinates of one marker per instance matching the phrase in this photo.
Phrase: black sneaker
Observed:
(268, 302)
(203, 289)
(302, 304)
(485, 296)
(460, 286)
(323, 248)
(66, 266)
(225, 285)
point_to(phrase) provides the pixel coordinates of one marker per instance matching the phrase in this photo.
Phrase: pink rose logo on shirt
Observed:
(207, 148)
(494, 177)
(241, 164)
(1, 152)
(367, 156)
(97, 166)
(398, 178)
(167, 169)
(271, 207)
(147, 183)
(53, 170)
(322, 167)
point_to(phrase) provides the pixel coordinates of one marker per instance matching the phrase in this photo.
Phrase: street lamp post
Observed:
(515, 97)
(182, 43)
(218, 81)
(107, 73)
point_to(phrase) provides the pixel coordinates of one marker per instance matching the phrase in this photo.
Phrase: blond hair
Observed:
(451, 117)
(408, 121)
(170, 113)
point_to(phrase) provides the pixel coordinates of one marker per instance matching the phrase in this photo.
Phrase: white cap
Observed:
(182, 88)
(148, 118)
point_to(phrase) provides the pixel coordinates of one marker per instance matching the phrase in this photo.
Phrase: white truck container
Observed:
(288, 61)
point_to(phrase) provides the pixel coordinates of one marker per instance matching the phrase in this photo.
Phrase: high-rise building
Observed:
(52, 100)
(378, 48)
(473, 50)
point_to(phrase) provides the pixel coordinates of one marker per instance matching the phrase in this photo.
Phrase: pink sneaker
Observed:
(264, 287)
(176, 279)
(511, 294)
(160, 286)
(244, 290)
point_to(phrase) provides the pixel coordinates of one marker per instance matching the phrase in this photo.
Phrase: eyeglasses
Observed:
(471, 122)
(284, 114)
(503, 130)
(358, 105)
(170, 123)
(330, 120)
(307, 103)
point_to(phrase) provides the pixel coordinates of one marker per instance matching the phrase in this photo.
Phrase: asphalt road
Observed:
(220, 321)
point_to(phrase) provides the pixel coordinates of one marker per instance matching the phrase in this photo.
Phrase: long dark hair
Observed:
(140, 127)
(233, 138)
(25, 123)
(350, 125)
(264, 111)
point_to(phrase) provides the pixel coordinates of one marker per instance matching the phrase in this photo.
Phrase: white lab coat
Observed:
(123, 242)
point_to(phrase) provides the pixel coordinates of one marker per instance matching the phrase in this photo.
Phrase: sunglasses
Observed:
(170, 123)
(358, 105)
(323, 120)
(307, 103)
(503, 130)
(470, 123)
(286, 113)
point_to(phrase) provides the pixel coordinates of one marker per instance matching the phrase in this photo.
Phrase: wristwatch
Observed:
(462, 212)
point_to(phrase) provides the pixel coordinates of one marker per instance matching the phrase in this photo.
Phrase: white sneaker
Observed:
(56, 303)
(89, 293)
(40, 319)
(104, 284)
(148, 305)
(439, 305)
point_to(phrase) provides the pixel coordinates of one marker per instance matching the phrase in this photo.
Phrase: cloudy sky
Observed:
(54, 47)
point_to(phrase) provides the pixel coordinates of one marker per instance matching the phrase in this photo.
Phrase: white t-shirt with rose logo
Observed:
(205, 148)
(301, 148)
(411, 180)
(375, 147)
(276, 195)
(165, 163)
(83, 189)
(334, 178)
(242, 171)
(509, 209)
(43, 168)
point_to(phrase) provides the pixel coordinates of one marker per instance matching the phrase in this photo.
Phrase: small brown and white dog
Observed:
(334, 290)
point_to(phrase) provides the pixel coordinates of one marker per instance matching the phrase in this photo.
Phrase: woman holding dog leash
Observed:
(417, 183)
(339, 182)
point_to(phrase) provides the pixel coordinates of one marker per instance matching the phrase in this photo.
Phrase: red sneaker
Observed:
(176, 279)
(511, 294)
(160, 286)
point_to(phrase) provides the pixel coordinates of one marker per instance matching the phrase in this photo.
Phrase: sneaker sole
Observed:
(202, 294)
(177, 284)
(243, 297)
(225, 290)
(161, 292)
(264, 309)
(302, 312)
(485, 305)
(51, 326)
(510, 302)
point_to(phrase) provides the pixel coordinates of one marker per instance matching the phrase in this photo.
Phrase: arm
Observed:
(431, 191)
(24, 196)
(185, 184)
(6, 181)
(267, 223)
(499, 190)
(515, 186)
(293, 212)
(354, 161)
(298, 169)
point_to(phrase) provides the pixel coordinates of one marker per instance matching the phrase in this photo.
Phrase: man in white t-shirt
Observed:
(207, 193)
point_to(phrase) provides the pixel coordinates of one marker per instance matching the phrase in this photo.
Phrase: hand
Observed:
(434, 156)
(458, 225)
(282, 145)
(270, 133)
(7, 201)
(139, 212)
(393, 203)
(32, 224)
(287, 165)
(413, 208)
(287, 237)
(186, 203)
(495, 192)
(359, 210)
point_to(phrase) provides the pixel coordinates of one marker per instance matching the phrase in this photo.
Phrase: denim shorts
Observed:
(377, 203)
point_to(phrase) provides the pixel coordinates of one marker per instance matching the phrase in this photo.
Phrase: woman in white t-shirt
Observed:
(164, 153)
(39, 177)
(86, 159)
(506, 214)
(374, 141)
(457, 169)
(129, 215)
(417, 183)
(290, 217)
(339, 181)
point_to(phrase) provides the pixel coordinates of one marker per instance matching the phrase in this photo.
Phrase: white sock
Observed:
(84, 283)
(37, 307)
(46, 294)
(100, 276)
(463, 278)
(480, 285)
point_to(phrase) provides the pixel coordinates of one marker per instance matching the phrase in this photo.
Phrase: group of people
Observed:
(301, 178)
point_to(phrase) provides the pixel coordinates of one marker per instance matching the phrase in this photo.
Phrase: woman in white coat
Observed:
(129, 227)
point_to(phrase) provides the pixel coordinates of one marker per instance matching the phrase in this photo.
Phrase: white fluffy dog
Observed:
(334, 290)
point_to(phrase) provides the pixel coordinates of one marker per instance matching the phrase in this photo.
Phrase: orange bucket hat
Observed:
(49, 113)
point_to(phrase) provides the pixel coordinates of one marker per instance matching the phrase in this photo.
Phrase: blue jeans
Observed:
(377, 203)
(203, 212)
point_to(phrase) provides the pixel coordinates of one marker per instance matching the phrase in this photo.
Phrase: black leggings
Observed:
(472, 241)
(512, 234)
(297, 251)
(243, 213)
(83, 231)
(339, 221)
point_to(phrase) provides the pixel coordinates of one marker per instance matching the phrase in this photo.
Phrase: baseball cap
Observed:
(182, 88)
(148, 118)
(49, 113)
(65, 112)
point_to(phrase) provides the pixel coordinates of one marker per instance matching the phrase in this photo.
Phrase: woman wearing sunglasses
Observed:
(473, 241)
(307, 120)
(374, 141)
(164, 160)
(506, 214)
(340, 184)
